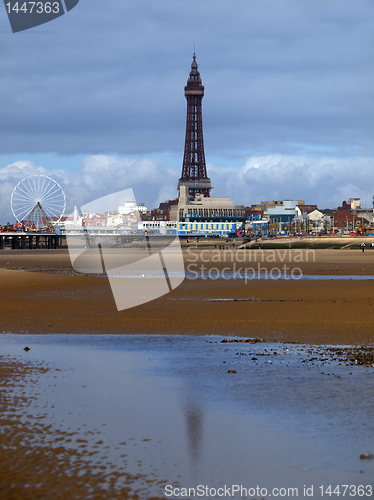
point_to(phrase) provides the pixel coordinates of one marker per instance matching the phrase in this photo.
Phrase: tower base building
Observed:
(205, 208)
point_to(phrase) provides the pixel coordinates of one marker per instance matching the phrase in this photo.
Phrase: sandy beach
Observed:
(57, 300)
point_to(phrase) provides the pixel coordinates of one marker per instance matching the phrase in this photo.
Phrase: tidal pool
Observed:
(167, 408)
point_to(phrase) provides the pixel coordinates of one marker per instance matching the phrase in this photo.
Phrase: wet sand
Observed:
(315, 262)
(328, 312)
(37, 461)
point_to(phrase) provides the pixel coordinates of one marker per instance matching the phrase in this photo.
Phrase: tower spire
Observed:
(194, 174)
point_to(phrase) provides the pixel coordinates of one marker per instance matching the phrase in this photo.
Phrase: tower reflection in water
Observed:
(193, 412)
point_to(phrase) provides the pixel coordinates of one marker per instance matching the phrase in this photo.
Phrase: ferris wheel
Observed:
(38, 201)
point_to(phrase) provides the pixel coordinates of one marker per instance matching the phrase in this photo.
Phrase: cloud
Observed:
(325, 182)
(280, 77)
(151, 180)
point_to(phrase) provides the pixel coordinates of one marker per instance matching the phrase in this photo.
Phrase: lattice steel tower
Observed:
(194, 174)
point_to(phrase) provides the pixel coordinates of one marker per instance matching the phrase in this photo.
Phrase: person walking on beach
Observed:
(363, 247)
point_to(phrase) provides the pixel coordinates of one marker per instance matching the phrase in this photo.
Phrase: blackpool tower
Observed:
(194, 174)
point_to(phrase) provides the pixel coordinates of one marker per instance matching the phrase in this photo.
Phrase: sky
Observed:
(95, 99)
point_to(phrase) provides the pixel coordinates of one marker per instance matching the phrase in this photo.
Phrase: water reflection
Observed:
(193, 412)
(168, 408)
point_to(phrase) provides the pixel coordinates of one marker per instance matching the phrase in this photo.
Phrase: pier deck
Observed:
(22, 241)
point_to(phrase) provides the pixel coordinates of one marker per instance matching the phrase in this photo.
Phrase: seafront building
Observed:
(131, 206)
(205, 228)
(283, 211)
(200, 208)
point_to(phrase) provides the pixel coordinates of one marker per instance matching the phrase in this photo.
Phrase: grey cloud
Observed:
(325, 182)
(110, 80)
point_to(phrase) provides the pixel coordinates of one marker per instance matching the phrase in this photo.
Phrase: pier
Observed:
(51, 241)
(30, 241)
